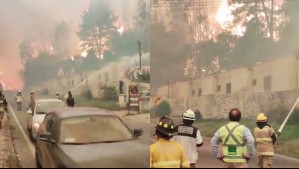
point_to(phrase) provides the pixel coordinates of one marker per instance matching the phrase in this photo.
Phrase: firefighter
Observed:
(3, 102)
(166, 153)
(189, 137)
(19, 99)
(32, 101)
(265, 139)
(3, 107)
(236, 139)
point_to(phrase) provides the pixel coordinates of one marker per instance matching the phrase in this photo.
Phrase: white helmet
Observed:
(189, 115)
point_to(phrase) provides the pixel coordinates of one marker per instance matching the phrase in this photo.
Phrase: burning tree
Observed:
(61, 41)
(97, 25)
(190, 70)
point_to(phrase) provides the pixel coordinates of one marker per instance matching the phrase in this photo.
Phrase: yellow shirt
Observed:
(168, 154)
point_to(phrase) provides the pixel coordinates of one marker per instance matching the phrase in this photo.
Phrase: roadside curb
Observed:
(8, 157)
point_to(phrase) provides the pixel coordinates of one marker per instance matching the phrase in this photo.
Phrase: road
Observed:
(26, 149)
(207, 160)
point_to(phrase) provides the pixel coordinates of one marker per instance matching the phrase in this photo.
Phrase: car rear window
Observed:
(44, 107)
(93, 129)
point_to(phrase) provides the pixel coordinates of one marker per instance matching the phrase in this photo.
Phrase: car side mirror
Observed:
(138, 132)
(29, 112)
(47, 137)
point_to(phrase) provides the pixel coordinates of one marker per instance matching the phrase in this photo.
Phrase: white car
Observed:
(41, 108)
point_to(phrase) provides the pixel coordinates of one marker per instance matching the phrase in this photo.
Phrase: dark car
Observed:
(88, 138)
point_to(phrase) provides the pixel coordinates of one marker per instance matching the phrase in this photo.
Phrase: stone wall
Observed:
(218, 105)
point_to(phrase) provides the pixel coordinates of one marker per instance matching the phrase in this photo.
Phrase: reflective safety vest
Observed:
(168, 154)
(264, 144)
(233, 144)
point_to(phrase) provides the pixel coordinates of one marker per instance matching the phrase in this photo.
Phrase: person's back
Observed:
(3, 102)
(189, 137)
(32, 101)
(168, 154)
(233, 134)
(70, 100)
(19, 97)
(237, 142)
(265, 138)
(264, 143)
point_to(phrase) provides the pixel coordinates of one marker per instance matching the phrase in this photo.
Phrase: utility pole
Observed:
(140, 54)
(140, 67)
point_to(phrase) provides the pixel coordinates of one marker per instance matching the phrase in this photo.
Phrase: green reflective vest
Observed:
(233, 143)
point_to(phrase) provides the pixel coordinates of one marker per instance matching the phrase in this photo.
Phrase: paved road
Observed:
(26, 149)
(207, 160)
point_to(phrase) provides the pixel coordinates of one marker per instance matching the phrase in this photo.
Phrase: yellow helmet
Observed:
(261, 118)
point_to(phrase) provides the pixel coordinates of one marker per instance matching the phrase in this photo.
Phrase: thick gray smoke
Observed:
(36, 19)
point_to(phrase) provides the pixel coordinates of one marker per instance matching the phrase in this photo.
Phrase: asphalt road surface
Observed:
(26, 149)
(207, 160)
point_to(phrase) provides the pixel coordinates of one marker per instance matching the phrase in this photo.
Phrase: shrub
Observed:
(110, 93)
(163, 109)
(279, 114)
(198, 115)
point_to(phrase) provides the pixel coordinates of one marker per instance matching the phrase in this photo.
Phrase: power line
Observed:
(183, 7)
(200, 3)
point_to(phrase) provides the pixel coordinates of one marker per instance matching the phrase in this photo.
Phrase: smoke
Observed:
(36, 19)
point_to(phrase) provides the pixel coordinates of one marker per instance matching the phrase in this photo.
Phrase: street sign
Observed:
(134, 101)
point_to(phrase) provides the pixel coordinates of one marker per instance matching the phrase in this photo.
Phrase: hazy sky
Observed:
(20, 19)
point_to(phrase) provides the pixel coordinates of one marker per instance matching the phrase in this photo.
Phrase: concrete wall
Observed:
(240, 80)
(93, 80)
(283, 74)
(250, 104)
(248, 92)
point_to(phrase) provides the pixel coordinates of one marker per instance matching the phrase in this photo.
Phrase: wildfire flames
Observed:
(120, 26)
(224, 14)
(100, 46)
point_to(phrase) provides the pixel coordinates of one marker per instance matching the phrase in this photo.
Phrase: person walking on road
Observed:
(32, 101)
(265, 139)
(70, 100)
(237, 142)
(3, 102)
(19, 99)
(189, 137)
(166, 153)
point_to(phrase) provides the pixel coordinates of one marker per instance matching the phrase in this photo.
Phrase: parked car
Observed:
(41, 108)
(88, 138)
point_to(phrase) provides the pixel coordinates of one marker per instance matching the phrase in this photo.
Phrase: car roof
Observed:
(80, 111)
(47, 100)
